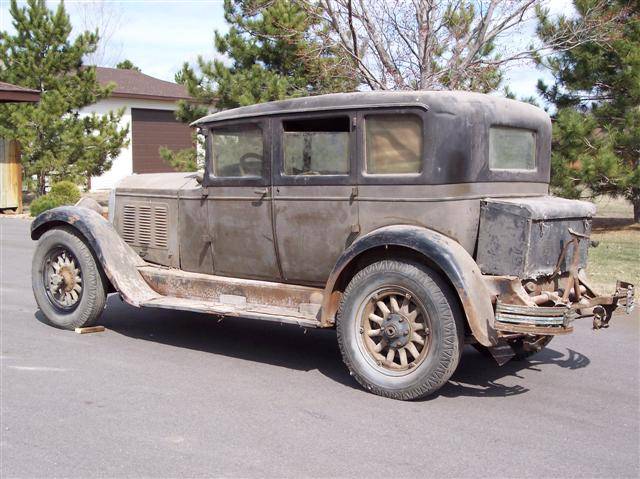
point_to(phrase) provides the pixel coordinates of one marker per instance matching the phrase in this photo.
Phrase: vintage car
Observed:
(412, 222)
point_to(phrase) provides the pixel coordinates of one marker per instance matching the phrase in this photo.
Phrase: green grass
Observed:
(616, 257)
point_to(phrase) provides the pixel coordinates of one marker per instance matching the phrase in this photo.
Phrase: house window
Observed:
(512, 149)
(237, 152)
(393, 144)
(316, 146)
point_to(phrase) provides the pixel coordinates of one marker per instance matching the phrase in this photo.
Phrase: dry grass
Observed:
(613, 207)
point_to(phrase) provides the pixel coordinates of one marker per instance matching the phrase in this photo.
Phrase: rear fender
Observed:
(449, 256)
(119, 262)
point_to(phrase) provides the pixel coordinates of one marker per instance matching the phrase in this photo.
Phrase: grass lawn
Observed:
(618, 254)
(616, 257)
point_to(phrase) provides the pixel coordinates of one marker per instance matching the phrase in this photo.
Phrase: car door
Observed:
(315, 208)
(239, 200)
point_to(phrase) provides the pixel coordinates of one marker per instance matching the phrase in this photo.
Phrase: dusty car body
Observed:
(309, 208)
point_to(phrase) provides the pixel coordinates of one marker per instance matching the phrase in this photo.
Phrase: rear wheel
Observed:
(67, 283)
(400, 330)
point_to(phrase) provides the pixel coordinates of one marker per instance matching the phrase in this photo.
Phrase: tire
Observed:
(438, 321)
(526, 347)
(54, 247)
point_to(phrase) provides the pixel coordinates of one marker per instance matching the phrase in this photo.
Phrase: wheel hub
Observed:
(63, 279)
(395, 330)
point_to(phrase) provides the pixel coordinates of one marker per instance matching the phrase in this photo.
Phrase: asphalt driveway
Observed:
(170, 394)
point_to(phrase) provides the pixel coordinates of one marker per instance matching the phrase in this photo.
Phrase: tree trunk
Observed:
(636, 209)
(42, 184)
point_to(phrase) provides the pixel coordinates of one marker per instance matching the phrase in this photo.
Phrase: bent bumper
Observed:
(552, 320)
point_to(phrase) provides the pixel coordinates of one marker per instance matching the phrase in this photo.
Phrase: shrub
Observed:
(67, 191)
(44, 203)
(62, 193)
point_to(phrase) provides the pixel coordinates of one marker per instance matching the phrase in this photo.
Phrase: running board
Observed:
(233, 297)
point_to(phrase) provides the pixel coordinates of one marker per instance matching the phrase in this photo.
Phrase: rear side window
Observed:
(393, 144)
(316, 146)
(512, 149)
(237, 152)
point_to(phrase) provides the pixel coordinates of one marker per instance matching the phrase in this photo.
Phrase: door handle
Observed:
(261, 191)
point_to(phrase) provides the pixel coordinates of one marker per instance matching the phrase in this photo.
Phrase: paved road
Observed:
(167, 394)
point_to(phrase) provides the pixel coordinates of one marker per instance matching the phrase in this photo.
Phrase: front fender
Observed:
(119, 262)
(452, 259)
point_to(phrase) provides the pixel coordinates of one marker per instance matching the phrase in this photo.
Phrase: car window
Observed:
(393, 144)
(317, 146)
(512, 149)
(237, 152)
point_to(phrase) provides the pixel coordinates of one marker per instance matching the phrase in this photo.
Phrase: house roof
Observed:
(15, 93)
(133, 84)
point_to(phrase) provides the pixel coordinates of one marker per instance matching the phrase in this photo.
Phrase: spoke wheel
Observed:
(67, 282)
(62, 279)
(394, 330)
(399, 329)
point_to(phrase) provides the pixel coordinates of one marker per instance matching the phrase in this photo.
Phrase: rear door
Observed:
(239, 201)
(315, 208)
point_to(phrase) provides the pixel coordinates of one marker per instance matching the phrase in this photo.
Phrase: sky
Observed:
(160, 35)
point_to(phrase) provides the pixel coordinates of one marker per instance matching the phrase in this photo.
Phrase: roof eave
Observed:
(140, 96)
(19, 96)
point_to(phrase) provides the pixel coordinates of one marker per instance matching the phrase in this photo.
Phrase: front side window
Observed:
(316, 146)
(393, 144)
(237, 152)
(512, 148)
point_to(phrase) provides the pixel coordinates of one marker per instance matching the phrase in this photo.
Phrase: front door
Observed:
(316, 215)
(239, 201)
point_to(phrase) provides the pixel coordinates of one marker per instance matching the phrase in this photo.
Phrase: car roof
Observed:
(452, 102)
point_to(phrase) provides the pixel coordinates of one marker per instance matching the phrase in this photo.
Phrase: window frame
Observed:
(281, 179)
(366, 178)
(211, 180)
(514, 170)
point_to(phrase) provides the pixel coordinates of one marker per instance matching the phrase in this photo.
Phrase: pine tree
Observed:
(127, 65)
(56, 142)
(596, 133)
(274, 53)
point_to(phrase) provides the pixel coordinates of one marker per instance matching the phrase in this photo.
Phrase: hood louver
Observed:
(145, 225)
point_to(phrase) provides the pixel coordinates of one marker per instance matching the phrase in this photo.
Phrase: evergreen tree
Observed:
(55, 140)
(596, 137)
(127, 65)
(274, 53)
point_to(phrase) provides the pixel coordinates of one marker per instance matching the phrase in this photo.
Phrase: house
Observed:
(10, 169)
(149, 104)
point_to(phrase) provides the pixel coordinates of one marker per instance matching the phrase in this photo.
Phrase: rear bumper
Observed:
(552, 320)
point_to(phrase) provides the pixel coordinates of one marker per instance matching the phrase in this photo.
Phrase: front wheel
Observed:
(67, 283)
(400, 329)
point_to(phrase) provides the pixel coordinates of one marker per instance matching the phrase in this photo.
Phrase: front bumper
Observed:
(551, 320)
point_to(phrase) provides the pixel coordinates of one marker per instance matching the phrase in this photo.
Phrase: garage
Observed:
(151, 130)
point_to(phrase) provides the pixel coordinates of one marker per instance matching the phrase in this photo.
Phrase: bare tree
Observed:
(436, 44)
(106, 18)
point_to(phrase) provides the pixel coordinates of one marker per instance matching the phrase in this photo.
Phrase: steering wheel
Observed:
(250, 164)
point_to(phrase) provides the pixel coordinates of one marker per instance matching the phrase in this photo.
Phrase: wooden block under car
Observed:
(90, 329)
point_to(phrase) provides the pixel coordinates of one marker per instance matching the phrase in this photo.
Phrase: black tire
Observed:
(91, 301)
(526, 347)
(446, 337)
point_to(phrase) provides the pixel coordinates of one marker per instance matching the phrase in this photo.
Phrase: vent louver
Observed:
(145, 225)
